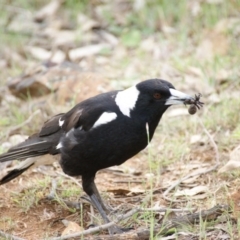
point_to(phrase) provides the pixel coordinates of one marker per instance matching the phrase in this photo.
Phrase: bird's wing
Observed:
(50, 126)
(85, 114)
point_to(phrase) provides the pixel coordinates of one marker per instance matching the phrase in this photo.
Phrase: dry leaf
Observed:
(234, 161)
(233, 200)
(39, 53)
(119, 191)
(127, 192)
(136, 190)
(63, 37)
(65, 80)
(72, 227)
(78, 53)
(87, 23)
(48, 10)
(47, 214)
(214, 44)
(192, 191)
(190, 180)
(110, 38)
(22, 24)
(214, 98)
(196, 138)
(197, 72)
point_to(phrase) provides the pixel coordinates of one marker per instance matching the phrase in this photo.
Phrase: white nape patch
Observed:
(177, 97)
(59, 146)
(61, 122)
(106, 117)
(126, 100)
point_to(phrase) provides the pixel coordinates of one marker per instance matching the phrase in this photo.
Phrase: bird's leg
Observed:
(99, 207)
(95, 190)
(90, 188)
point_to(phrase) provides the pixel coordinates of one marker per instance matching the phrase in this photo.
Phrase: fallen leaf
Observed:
(47, 214)
(78, 53)
(71, 227)
(39, 53)
(196, 138)
(48, 10)
(119, 191)
(190, 180)
(64, 80)
(214, 98)
(136, 190)
(214, 44)
(87, 23)
(233, 200)
(234, 161)
(192, 192)
(127, 192)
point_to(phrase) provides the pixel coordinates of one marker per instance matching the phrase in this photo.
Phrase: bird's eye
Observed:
(157, 95)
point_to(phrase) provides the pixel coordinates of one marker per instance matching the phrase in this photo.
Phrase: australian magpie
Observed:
(99, 132)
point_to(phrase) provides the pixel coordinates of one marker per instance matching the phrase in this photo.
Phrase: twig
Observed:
(212, 142)
(159, 209)
(105, 226)
(99, 228)
(52, 193)
(168, 227)
(198, 173)
(53, 196)
(9, 236)
(183, 179)
(119, 219)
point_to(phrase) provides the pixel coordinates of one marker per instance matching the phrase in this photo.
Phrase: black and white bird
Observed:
(99, 132)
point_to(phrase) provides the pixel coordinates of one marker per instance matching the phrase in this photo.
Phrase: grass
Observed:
(176, 30)
(26, 200)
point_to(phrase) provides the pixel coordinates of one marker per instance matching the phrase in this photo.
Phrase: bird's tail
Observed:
(41, 143)
(28, 150)
(16, 171)
(34, 146)
(25, 165)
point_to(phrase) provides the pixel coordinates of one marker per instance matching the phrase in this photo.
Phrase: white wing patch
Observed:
(59, 146)
(126, 100)
(106, 117)
(61, 122)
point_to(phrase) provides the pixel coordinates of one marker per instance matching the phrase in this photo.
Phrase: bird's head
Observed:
(157, 93)
(152, 98)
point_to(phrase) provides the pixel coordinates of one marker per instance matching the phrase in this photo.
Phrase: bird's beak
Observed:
(177, 97)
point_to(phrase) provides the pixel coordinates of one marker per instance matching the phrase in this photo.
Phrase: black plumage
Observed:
(100, 132)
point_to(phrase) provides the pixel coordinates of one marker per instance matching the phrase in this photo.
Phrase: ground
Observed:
(57, 53)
